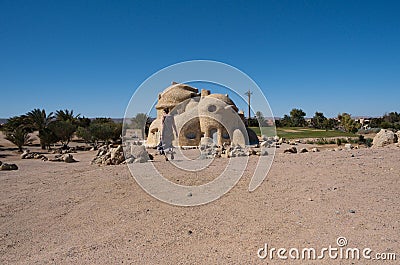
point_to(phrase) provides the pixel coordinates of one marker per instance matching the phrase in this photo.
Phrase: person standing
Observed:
(167, 133)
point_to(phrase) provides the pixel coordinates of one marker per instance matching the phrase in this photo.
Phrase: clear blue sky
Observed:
(90, 56)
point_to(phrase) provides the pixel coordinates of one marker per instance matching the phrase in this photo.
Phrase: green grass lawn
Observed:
(300, 132)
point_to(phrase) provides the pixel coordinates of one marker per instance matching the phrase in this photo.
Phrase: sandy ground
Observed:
(58, 213)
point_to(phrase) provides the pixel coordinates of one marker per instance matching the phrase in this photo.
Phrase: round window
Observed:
(191, 135)
(212, 108)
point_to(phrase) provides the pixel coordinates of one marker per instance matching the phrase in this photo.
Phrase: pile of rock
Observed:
(63, 151)
(5, 166)
(271, 141)
(109, 155)
(237, 151)
(67, 158)
(385, 137)
(28, 155)
(209, 150)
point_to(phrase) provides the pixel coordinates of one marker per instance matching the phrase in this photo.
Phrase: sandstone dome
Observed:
(175, 94)
(225, 98)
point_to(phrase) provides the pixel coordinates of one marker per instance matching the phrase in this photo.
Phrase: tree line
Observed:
(59, 127)
(343, 121)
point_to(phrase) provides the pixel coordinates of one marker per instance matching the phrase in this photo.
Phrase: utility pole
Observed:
(248, 94)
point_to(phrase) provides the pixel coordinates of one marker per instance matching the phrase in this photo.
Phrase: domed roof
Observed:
(225, 98)
(175, 94)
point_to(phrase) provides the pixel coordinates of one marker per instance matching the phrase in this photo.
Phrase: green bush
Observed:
(321, 141)
(386, 125)
(84, 133)
(101, 129)
(368, 142)
(63, 131)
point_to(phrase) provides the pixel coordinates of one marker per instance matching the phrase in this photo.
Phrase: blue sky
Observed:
(90, 56)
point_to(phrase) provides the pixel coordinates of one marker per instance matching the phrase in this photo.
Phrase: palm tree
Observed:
(66, 115)
(40, 121)
(17, 132)
(65, 126)
(19, 136)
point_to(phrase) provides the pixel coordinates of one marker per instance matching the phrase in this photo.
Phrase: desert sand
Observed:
(59, 213)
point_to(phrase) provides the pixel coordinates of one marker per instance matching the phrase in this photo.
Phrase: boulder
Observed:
(117, 155)
(383, 138)
(315, 150)
(303, 150)
(292, 150)
(25, 154)
(68, 158)
(225, 154)
(265, 144)
(263, 151)
(6, 166)
(249, 151)
(207, 141)
(140, 154)
(348, 146)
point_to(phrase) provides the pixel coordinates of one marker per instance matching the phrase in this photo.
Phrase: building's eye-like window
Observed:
(212, 108)
(191, 135)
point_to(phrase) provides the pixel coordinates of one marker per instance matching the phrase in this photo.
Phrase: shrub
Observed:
(85, 134)
(321, 141)
(101, 129)
(386, 125)
(63, 131)
(368, 142)
(353, 140)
